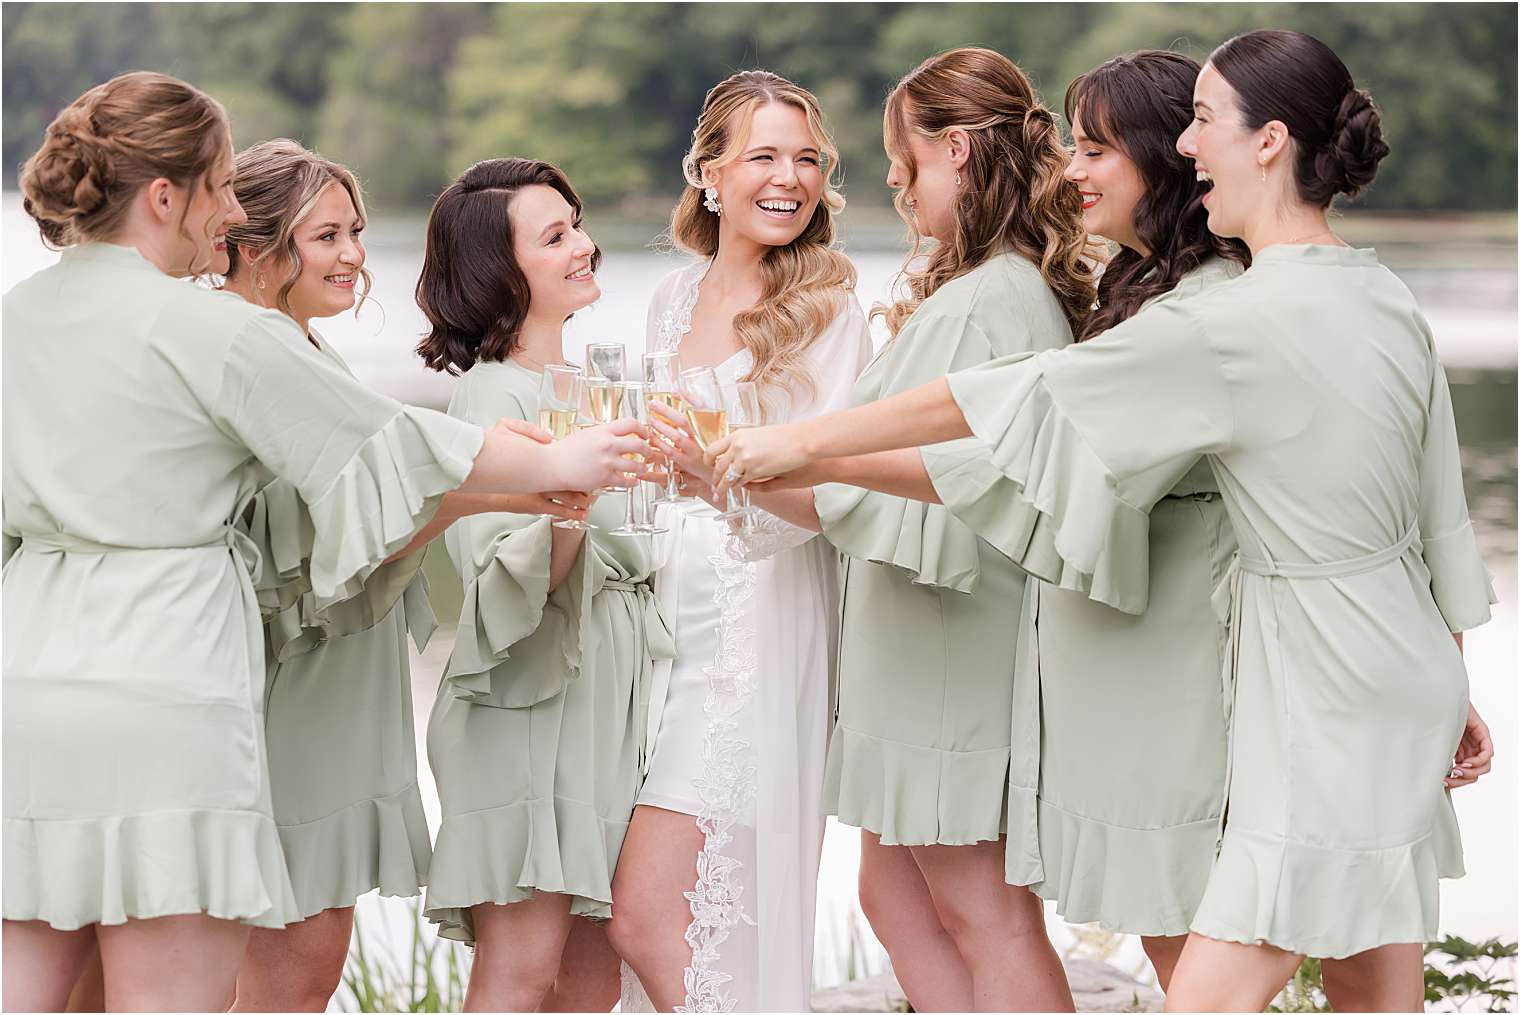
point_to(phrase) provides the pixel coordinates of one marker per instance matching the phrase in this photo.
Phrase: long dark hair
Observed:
(1139, 104)
(472, 290)
(1289, 76)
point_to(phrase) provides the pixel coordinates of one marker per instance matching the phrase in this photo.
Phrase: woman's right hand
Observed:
(593, 458)
(756, 453)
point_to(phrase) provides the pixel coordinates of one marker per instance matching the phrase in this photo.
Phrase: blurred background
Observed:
(409, 94)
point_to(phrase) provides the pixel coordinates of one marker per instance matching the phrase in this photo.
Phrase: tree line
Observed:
(410, 94)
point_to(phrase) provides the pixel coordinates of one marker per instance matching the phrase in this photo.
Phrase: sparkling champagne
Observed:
(559, 422)
(708, 425)
(605, 402)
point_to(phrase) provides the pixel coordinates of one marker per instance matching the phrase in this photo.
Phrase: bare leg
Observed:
(171, 963)
(650, 913)
(589, 972)
(297, 968)
(1390, 978)
(998, 928)
(89, 993)
(1214, 975)
(517, 952)
(896, 900)
(41, 964)
(1163, 953)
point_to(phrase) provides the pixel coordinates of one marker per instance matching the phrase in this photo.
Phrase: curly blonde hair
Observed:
(106, 144)
(1015, 196)
(278, 183)
(802, 280)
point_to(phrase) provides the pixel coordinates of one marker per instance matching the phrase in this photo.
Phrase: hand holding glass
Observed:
(559, 398)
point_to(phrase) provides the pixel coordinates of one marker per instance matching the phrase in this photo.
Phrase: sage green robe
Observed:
(537, 735)
(1118, 759)
(929, 638)
(141, 414)
(1312, 385)
(338, 713)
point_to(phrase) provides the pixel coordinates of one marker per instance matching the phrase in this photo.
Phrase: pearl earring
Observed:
(710, 201)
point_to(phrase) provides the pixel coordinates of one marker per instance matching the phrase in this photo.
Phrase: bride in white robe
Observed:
(713, 899)
(738, 723)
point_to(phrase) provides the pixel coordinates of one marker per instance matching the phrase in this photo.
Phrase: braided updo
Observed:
(110, 141)
(1336, 130)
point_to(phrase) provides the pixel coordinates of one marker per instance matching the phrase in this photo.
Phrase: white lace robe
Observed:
(749, 762)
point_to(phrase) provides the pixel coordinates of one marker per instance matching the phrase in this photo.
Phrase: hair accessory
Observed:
(710, 201)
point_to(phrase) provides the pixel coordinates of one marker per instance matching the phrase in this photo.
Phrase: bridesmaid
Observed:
(338, 700)
(537, 734)
(1312, 384)
(1121, 844)
(920, 757)
(137, 806)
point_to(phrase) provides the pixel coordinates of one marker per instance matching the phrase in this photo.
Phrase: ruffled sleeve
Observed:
(1084, 441)
(295, 618)
(370, 470)
(1459, 580)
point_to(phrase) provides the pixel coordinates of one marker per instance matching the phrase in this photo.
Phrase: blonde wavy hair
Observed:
(1014, 197)
(804, 279)
(278, 183)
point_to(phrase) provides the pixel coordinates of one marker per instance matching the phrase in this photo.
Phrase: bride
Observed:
(715, 888)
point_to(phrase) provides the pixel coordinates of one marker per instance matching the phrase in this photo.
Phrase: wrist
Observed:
(805, 439)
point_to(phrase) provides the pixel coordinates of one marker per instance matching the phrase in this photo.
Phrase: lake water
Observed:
(1467, 289)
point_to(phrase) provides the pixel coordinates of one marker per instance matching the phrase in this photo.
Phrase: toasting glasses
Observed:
(635, 405)
(607, 359)
(560, 392)
(662, 375)
(706, 413)
(743, 401)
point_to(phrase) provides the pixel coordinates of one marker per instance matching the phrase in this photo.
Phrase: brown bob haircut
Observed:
(472, 290)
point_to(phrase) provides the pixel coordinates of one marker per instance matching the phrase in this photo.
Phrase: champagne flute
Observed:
(634, 405)
(607, 359)
(744, 410)
(706, 412)
(559, 399)
(601, 401)
(662, 373)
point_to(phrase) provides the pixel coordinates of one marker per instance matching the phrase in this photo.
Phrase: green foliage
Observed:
(434, 981)
(1460, 975)
(409, 94)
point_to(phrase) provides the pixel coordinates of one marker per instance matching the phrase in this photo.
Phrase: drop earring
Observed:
(261, 282)
(957, 179)
(1263, 170)
(710, 201)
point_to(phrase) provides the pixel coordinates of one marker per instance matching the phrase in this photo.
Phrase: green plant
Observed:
(1471, 975)
(435, 982)
(1460, 975)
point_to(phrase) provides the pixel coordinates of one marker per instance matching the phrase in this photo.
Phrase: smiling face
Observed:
(1225, 153)
(1110, 184)
(923, 171)
(327, 240)
(553, 252)
(212, 208)
(771, 188)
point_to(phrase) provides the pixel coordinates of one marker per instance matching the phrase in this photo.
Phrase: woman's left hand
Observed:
(1475, 753)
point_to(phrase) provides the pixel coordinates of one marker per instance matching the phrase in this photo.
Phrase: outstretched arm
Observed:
(923, 415)
(900, 473)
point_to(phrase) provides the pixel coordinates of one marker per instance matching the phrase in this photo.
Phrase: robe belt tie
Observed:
(231, 538)
(1226, 602)
(659, 644)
